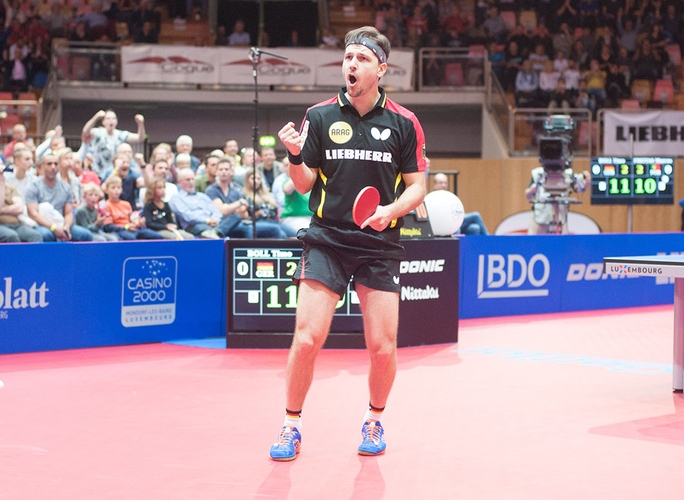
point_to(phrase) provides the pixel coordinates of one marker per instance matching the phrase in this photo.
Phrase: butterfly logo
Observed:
(380, 136)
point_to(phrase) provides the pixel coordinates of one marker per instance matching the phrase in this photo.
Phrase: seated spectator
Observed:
(538, 58)
(658, 39)
(221, 37)
(292, 205)
(572, 77)
(161, 169)
(672, 24)
(158, 215)
(53, 141)
(120, 218)
(616, 86)
(226, 194)
(566, 14)
(514, 61)
(580, 56)
(269, 167)
(18, 137)
(11, 206)
(589, 11)
(91, 216)
(497, 60)
(495, 26)
(147, 34)
(65, 163)
(563, 40)
(203, 181)
(596, 82)
(263, 208)
(198, 215)
(647, 63)
(605, 57)
(50, 204)
(548, 81)
(131, 181)
(584, 99)
(22, 175)
(232, 150)
(433, 66)
(541, 36)
(79, 33)
(239, 38)
(521, 38)
(472, 221)
(560, 98)
(628, 31)
(527, 87)
(560, 63)
(184, 145)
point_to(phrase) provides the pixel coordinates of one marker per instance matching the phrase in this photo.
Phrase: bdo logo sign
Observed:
(149, 291)
(507, 276)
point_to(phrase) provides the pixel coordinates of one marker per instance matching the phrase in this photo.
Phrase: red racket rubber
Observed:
(366, 203)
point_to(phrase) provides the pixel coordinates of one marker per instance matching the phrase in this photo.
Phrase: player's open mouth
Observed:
(352, 79)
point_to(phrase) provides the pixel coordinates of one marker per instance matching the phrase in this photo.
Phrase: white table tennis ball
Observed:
(1, 384)
(446, 212)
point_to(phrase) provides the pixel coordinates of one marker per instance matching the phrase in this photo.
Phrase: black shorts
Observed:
(332, 256)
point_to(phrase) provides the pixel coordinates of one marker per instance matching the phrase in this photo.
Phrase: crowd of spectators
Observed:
(29, 26)
(105, 192)
(557, 53)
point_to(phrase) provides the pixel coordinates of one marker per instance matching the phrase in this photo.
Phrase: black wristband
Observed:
(294, 160)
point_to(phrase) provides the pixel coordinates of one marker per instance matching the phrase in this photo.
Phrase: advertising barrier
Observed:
(233, 66)
(653, 133)
(72, 295)
(515, 275)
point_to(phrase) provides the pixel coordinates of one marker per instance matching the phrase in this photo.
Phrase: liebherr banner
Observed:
(658, 133)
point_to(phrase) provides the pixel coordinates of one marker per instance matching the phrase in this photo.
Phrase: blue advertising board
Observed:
(71, 295)
(513, 275)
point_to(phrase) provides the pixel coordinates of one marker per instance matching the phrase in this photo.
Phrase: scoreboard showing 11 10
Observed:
(626, 181)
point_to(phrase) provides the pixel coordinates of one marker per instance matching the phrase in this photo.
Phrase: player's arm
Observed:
(302, 176)
(412, 196)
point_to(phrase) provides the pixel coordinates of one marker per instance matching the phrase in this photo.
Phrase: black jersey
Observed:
(352, 151)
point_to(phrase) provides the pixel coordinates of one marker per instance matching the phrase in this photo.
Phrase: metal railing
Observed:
(500, 108)
(451, 68)
(87, 63)
(525, 127)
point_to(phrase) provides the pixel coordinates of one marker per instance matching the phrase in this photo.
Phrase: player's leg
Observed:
(315, 308)
(380, 323)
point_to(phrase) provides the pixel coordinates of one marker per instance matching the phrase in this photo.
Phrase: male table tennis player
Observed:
(358, 138)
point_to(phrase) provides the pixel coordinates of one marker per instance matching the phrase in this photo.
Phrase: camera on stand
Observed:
(556, 181)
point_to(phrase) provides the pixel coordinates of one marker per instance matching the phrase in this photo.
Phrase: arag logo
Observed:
(512, 275)
(149, 291)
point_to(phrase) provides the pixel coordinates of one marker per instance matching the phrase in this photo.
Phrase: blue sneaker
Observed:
(287, 445)
(373, 443)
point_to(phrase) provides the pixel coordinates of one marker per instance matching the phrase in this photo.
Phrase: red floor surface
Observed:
(568, 406)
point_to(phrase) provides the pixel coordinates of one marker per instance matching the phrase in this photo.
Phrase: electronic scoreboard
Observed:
(637, 180)
(261, 299)
(264, 298)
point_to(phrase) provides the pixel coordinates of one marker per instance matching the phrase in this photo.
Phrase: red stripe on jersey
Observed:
(332, 100)
(420, 135)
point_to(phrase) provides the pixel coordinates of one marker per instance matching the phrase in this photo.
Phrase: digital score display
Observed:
(626, 181)
(264, 297)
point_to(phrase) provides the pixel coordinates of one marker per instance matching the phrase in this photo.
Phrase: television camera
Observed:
(554, 180)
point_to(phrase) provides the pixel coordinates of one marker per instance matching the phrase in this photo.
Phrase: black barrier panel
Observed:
(261, 299)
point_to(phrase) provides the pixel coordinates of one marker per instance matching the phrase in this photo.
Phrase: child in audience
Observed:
(90, 216)
(157, 213)
(120, 218)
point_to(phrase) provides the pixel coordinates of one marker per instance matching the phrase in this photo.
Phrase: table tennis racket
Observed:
(365, 204)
